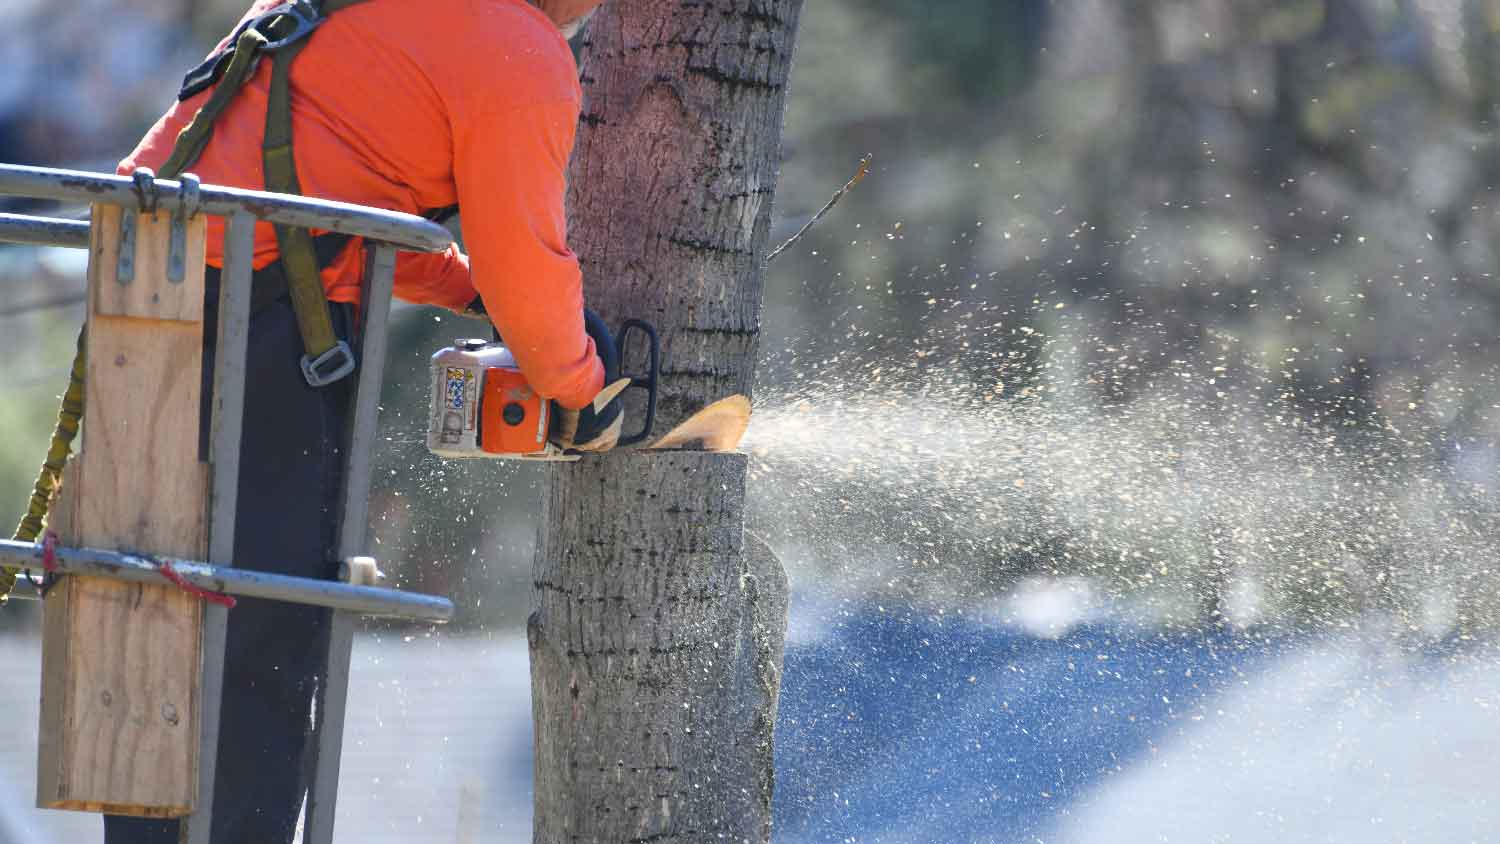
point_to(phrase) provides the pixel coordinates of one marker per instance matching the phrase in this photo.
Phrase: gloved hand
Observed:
(596, 427)
(575, 430)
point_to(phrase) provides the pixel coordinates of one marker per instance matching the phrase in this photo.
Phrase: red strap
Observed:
(49, 563)
(49, 552)
(171, 574)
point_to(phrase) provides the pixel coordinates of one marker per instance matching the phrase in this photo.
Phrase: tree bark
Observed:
(656, 655)
(657, 625)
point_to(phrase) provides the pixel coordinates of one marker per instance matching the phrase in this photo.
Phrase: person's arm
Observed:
(510, 167)
(440, 279)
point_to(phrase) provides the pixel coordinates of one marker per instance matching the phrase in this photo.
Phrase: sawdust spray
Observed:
(994, 452)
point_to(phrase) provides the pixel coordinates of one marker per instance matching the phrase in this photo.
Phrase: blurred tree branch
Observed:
(864, 170)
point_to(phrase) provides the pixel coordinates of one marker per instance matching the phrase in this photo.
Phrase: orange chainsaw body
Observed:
(482, 406)
(513, 417)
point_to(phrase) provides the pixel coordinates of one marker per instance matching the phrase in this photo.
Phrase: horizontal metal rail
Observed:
(407, 231)
(44, 231)
(365, 600)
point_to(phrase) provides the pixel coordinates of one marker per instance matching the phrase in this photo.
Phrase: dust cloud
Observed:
(1185, 486)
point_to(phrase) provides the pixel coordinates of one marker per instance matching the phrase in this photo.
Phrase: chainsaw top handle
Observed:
(647, 381)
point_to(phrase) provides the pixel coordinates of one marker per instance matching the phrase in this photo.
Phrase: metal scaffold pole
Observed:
(145, 230)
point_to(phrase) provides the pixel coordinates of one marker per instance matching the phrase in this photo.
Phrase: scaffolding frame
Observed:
(386, 233)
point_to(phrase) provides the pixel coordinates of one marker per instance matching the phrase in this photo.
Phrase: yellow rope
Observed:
(69, 415)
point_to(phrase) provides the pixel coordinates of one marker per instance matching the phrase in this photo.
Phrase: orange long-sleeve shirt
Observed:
(415, 106)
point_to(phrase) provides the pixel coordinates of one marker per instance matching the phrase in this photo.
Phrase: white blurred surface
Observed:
(1340, 740)
(1338, 743)
(437, 730)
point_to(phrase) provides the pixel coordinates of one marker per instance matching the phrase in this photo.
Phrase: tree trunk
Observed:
(655, 655)
(657, 628)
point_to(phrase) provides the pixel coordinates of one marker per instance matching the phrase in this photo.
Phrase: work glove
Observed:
(597, 427)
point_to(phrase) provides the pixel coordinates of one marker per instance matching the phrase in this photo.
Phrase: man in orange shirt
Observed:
(409, 106)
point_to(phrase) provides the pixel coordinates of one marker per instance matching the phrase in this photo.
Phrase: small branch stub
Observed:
(864, 170)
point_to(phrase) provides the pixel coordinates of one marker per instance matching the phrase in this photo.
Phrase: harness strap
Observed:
(269, 283)
(244, 57)
(326, 358)
(282, 32)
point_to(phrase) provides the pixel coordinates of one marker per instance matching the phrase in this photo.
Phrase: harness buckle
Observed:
(329, 367)
(305, 18)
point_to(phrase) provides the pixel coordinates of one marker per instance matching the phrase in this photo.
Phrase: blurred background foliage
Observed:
(1300, 187)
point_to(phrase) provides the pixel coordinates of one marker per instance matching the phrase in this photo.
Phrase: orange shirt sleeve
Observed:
(440, 278)
(510, 168)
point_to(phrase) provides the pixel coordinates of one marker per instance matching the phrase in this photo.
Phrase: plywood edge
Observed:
(121, 809)
(53, 730)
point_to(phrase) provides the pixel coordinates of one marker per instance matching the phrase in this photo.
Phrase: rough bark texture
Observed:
(673, 178)
(658, 623)
(656, 655)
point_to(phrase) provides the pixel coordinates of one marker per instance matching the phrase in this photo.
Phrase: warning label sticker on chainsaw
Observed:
(460, 395)
(457, 379)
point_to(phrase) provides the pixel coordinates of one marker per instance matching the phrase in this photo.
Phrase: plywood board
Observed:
(150, 294)
(121, 661)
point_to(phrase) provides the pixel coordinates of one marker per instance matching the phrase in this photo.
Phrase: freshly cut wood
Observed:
(718, 427)
(122, 661)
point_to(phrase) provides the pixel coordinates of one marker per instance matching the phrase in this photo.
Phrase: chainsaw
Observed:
(483, 406)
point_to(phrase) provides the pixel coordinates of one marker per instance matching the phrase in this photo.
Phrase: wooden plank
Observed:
(122, 662)
(143, 483)
(60, 519)
(144, 297)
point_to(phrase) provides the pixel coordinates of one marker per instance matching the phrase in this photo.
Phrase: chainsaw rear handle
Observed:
(611, 351)
(648, 381)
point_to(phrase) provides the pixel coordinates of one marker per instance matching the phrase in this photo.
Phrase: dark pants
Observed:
(286, 522)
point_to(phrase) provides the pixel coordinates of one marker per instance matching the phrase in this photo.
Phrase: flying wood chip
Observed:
(718, 427)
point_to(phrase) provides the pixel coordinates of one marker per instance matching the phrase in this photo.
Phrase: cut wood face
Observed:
(718, 427)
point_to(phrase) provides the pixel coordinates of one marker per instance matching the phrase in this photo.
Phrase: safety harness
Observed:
(281, 33)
